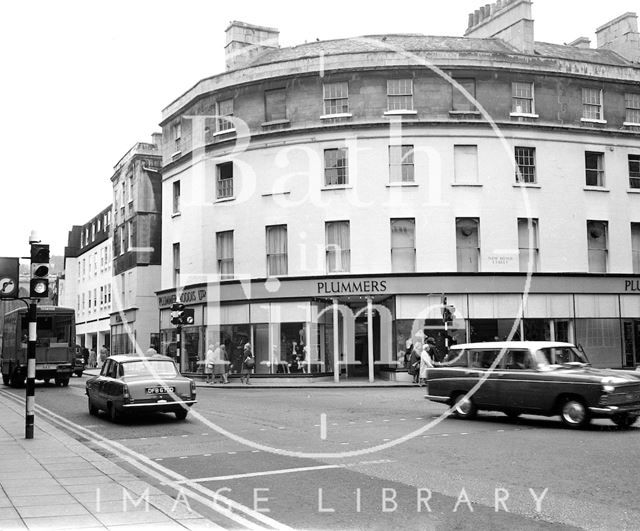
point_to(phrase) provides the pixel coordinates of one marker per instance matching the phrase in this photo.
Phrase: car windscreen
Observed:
(155, 368)
(560, 355)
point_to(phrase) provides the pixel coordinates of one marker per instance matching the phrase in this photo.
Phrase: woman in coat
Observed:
(209, 361)
(220, 364)
(248, 363)
(414, 361)
(426, 359)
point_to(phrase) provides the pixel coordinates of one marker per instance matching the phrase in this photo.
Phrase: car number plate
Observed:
(46, 366)
(159, 389)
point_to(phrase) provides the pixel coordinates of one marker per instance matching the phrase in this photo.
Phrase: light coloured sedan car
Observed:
(140, 384)
(535, 378)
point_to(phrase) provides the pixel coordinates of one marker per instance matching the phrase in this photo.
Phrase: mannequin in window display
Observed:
(298, 358)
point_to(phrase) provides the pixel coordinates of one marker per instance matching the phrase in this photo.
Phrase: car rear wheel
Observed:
(574, 413)
(624, 420)
(93, 410)
(114, 416)
(181, 414)
(5, 379)
(78, 373)
(464, 408)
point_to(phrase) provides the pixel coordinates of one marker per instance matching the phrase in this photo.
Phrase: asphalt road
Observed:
(382, 458)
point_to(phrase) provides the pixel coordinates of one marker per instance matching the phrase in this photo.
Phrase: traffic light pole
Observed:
(31, 371)
(179, 347)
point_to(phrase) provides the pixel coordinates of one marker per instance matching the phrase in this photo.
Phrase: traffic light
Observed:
(9, 277)
(177, 310)
(181, 315)
(39, 284)
(447, 313)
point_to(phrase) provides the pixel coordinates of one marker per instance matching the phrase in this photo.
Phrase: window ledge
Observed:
(526, 185)
(224, 199)
(338, 115)
(595, 189)
(465, 112)
(400, 112)
(224, 132)
(524, 115)
(472, 185)
(175, 214)
(275, 122)
(176, 154)
(269, 194)
(633, 190)
(593, 121)
(630, 124)
(337, 187)
(402, 185)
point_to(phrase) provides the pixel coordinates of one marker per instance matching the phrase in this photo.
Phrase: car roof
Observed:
(535, 345)
(125, 358)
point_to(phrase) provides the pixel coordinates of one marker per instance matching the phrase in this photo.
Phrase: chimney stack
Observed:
(246, 41)
(581, 42)
(621, 35)
(509, 20)
(156, 139)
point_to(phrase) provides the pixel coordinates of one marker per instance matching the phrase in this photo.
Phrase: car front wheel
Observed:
(181, 414)
(624, 420)
(574, 413)
(464, 408)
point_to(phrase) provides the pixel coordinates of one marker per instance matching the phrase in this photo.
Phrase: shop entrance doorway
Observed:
(361, 340)
(631, 341)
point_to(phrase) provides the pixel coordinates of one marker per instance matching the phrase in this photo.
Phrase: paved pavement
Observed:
(55, 482)
(300, 382)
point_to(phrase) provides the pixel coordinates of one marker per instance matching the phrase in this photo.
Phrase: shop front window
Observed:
(492, 330)
(233, 337)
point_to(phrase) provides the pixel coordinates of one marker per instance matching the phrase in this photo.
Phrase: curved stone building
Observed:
(325, 202)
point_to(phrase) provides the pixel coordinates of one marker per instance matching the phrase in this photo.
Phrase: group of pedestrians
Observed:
(91, 358)
(216, 364)
(420, 358)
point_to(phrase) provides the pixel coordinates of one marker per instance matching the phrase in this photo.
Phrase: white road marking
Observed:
(256, 474)
(241, 514)
(323, 426)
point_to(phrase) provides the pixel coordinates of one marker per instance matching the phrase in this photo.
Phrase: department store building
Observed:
(321, 201)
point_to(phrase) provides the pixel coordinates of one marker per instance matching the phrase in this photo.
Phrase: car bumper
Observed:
(609, 411)
(437, 398)
(159, 406)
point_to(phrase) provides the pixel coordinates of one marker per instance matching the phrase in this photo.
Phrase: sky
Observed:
(83, 81)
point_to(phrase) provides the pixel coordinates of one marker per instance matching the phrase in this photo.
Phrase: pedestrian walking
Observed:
(248, 363)
(426, 360)
(104, 354)
(209, 361)
(414, 361)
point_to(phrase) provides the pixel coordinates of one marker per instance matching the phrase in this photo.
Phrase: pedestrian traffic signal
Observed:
(39, 284)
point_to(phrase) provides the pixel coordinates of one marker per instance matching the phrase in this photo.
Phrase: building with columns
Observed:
(322, 201)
